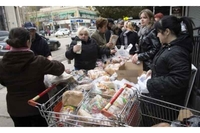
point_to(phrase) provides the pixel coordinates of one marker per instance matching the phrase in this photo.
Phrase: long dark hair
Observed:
(18, 37)
(174, 25)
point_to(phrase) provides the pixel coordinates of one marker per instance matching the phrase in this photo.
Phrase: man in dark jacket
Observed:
(109, 31)
(39, 46)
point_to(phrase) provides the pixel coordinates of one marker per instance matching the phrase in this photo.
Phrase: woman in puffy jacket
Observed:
(85, 55)
(149, 43)
(171, 67)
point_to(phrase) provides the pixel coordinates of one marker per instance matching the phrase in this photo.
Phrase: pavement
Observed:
(5, 120)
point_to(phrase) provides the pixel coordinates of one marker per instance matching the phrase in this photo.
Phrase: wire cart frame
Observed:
(154, 111)
(140, 110)
(50, 110)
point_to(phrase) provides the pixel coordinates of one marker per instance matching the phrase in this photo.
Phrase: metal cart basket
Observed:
(51, 111)
(154, 111)
(140, 110)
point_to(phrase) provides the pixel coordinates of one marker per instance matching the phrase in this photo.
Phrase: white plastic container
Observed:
(79, 43)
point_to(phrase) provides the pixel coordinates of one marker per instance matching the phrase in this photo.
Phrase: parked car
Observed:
(73, 34)
(92, 29)
(53, 44)
(62, 32)
(3, 34)
(4, 47)
(42, 32)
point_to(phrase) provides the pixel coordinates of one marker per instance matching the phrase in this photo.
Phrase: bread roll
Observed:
(72, 98)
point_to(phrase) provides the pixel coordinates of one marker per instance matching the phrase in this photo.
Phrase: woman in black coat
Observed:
(129, 37)
(171, 67)
(90, 50)
(149, 43)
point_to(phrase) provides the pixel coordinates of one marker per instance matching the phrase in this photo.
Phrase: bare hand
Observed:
(135, 58)
(67, 71)
(49, 58)
(113, 51)
(76, 48)
(148, 73)
(109, 45)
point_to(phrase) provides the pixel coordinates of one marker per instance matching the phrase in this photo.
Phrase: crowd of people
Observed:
(158, 42)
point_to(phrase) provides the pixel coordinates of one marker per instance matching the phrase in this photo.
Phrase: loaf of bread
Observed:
(162, 124)
(72, 98)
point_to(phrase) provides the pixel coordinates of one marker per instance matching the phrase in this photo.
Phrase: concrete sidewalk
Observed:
(5, 120)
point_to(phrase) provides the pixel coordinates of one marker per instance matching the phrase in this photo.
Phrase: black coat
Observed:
(132, 39)
(171, 71)
(40, 47)
(149, 45)
(23, 75)
(91, 51)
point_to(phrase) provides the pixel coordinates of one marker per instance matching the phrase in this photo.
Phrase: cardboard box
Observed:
(130, 71)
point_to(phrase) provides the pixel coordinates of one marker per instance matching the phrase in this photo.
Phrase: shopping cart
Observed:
(51, 111)
(154, 111)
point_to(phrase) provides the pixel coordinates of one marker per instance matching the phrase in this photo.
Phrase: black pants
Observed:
(30, 121)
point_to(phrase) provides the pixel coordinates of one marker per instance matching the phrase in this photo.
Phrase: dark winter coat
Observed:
(149, 45)
(108, 34)
(23, 74)
(91, 51)
(132, 38)
(40, 47)
(171, 71)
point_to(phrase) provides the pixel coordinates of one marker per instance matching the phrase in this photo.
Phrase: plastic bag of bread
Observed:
(85, 114)
(94, 74)
(96, 104)
(116, 59)
(112, 68)
(72, 98)
(65, 113)
(84, 87)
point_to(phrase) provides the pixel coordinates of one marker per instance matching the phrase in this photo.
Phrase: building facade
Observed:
(62, 17)
(10, 17)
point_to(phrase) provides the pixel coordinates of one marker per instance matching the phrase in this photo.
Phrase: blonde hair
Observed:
(131, 26)
(82, 29)
(148, 13)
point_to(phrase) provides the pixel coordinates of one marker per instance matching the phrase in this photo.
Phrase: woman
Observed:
(171, 67)
(99, 34)
(149, 44)
(90, 50)
(129, 37)
(23, 74)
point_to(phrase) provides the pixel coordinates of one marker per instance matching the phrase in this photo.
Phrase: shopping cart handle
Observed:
(104, 111)
(33, 102)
